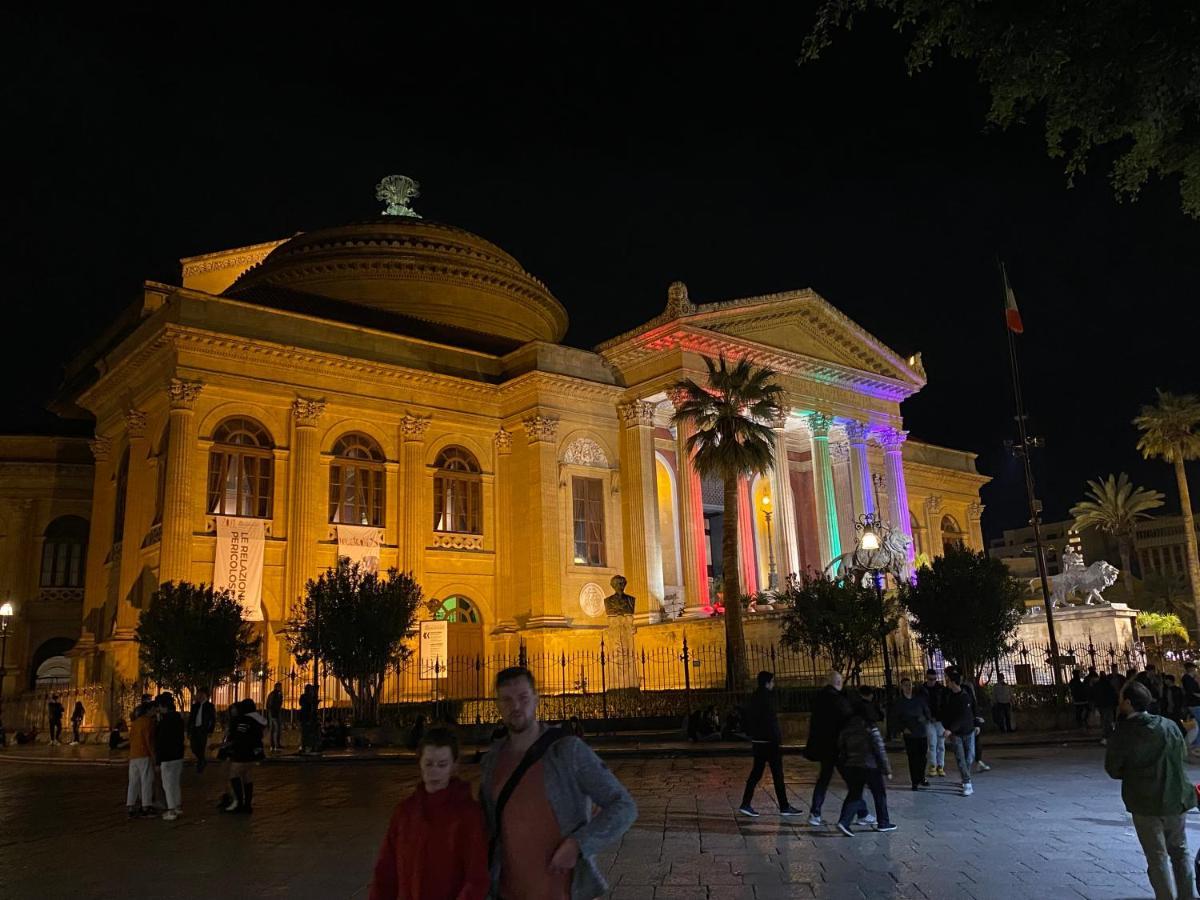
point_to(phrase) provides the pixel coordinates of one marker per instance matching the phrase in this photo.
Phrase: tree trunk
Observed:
(1126, 566)
(735, 639)
(1189, 536)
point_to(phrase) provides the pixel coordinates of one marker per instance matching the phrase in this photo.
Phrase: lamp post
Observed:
(870, 540)
(772, 575)
(6, 614)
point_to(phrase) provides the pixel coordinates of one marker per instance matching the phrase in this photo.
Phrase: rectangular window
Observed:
(588, 502)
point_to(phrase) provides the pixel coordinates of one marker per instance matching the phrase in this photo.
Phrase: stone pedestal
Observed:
(620, 648)
(1076, 626)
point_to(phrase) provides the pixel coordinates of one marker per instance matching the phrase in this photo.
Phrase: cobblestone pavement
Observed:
(1044, 823)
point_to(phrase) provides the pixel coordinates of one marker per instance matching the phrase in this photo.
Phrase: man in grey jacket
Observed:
(544, 835)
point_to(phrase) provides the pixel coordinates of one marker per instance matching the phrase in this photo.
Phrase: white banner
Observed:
(238, 566)
(435, 642)
(361, 544)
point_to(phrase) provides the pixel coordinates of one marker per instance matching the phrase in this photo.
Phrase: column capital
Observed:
(101, 448)
(975, 511)
(819, 424)
(839, 453)
(779, 420)
(636, 413)
(182, 394)
(933, 503)
(503, 440)
(307, 412)
(135, 422)
(858, 432)
(413, 428)
(540, 428)
(891, 439)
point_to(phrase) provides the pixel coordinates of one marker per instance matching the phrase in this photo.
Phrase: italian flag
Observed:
(1012, 315)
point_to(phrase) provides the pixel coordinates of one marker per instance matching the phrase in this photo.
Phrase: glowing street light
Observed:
(6, 614)
(772, 575)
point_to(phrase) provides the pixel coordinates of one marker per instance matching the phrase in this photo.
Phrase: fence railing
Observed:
(603, 684)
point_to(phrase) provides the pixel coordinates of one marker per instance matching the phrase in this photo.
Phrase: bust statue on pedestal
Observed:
(619, 637)
(619, 603)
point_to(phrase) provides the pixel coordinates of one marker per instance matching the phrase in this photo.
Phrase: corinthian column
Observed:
(639, 509)
(540, 511)
(175, 548)
(786, 535)
(505, 620)
(139, 498)
(828, 532)
(860, 469)
(691, 516)
(975, 524)
(747, 552)
(412, 433)
(933, 525)
(899, 516)
(99, 531)
(304, 467)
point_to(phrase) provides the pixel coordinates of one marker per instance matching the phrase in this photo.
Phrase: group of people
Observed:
(54, 716)
(547, 805)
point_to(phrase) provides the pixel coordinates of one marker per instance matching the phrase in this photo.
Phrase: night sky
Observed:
(611, 153)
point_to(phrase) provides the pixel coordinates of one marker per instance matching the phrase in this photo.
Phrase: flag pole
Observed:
(1023, 452)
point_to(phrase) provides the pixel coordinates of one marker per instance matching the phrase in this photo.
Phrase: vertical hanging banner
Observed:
(238, 565)
(360, 543)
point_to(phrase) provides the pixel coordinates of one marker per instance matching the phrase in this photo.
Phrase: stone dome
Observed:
(415, 268)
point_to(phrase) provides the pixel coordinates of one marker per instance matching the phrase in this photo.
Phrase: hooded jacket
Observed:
(425, 827)
(245, 736)
(859, 743)
(1148, 754)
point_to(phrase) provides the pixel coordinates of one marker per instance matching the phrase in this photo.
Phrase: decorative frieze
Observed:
(585, 452)
(451, 541)
(307, 412)
(636, 413)
(540, 428)
(182, 394)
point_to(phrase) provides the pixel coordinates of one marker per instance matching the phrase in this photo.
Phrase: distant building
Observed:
(1160, 548)
(1016, 547)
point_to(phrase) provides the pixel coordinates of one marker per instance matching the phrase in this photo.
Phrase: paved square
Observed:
(1045, 823)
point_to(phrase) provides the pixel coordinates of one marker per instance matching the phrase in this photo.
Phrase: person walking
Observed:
(244, 747)
(1079, 698)
(77, 717)
(139, 795)
(275, 716)
(862, 760)
(202, 721)
(1191, 693)
(934, 692)
(540, 788)
(958, 721)
(1002, 705)
(54, 711)
(910, 713)
(1105, 697)
(310, 737)
(830, 711)
(439, 821)
(1148, 755)
(168, 751)
(762, 722)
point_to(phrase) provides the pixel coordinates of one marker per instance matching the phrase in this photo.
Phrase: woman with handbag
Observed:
(244, 749)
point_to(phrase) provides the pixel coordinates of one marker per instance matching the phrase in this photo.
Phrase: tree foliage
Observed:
(1161, 625)
(192, 636)
(1122, 76)
(732, 439)
(357, 623)
(842, 619)
(966, 605)
(1115, 506)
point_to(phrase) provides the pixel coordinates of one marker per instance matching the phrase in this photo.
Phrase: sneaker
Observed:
(968, 789)
(924, 784)
(748, 811)
(930, 771)
(867, 820)
(790, 811)
(170, 815)
(816, 821)
(845, 829)
(133, 812)
(981, 766)
(888, 827)
(941, 772)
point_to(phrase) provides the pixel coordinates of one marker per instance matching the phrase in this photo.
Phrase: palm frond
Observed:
(1171, 428)
(1115, 505)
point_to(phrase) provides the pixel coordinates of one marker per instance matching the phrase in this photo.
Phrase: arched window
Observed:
(64, 552)
(160, 490)
(119, 502)
(457, 493)
(239, 470)
(458, 609)
(952, 535)
(356, 481)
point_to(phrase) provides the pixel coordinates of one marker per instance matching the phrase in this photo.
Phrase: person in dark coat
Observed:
(77, 716)
(762, 723)
(958, 721)
(830, 711)
(55, 711)
(910, 713)
(244, 748)
(1105, 697)
(275, 715)
(862, 760)
(202, 721)
(168, 753)
(310, 735)
(933, 692)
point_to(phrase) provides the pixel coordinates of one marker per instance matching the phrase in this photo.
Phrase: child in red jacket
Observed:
(436, 845)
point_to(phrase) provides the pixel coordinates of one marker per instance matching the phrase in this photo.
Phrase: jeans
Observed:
(915, 746)
(822, 785)
(964, 754)
(1002, 716)
(171, 772)
(276, 728)
(56, 729)
(766, 753)
(141, 783)
(936, 735)
(854, 805)
(1164, 837)
(199, 740)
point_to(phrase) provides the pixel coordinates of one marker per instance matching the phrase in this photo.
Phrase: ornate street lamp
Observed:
(772, 575)
(868, 559)
(6, 614)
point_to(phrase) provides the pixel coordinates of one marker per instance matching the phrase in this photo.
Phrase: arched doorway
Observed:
(50, 665)
(466, 626)
(952, 534)
(668, 525)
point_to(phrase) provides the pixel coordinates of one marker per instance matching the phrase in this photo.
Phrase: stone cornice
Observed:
(563, 387)
(922, 474)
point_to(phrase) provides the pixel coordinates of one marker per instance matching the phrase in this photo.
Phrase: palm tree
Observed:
(1114, 506)
(731, 441)
(1171, 432)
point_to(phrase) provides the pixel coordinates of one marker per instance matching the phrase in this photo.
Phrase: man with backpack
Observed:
(539, 787)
